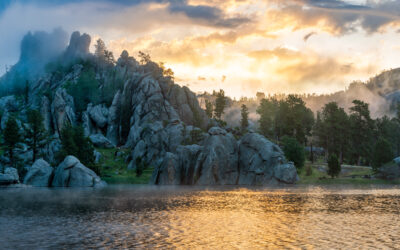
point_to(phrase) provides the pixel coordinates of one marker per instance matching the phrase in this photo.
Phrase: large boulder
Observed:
(263, 162)
(218, 162)
(215, 163)
(10, 176)
(98, 114)
(101, 141)
(178, 168)
(72, 173)
(39, 174)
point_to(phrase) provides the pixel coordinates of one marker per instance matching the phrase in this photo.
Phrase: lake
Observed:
(197, 217)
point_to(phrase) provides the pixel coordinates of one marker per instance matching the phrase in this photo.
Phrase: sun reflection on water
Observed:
(196, 218)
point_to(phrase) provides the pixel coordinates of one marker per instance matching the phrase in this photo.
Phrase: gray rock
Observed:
(45, 110)
(72, 173)
(78, 46)
(169, 172)
(39, 174)
(218, 162)
(215, 163)
(51, 149)
(98, 114)
(9, 177)
(101, 141)
(62, 109)
(113, 119)
(262, 162)
(97, 156)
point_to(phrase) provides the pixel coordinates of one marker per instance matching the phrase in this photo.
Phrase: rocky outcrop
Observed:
(221, 161)
(62, 109)
(9, 177)
(218, 161)
(78, 46)
(101, 141)
(39, 175)
(72, 173)
(262, 162)
(113, 119)
(98, 114)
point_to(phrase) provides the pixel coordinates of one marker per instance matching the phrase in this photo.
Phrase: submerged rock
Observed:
(72, 173)
(39, 174)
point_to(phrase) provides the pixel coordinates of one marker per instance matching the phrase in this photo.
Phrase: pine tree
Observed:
(209, 109)
(244, 123)
(74, 142)
(11, 137)
(220, 104)
(35, 133)
(294, 151)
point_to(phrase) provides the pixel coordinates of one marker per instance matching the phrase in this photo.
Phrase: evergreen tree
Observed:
(288, 117)
(382, 153)
(361, 131)
(11, 137)
(334, 167)
(220, 104)
(35, 133)
(294, 151)
(85, 91)
(268, 111)
(332, 128)
(74, 142)
(209, 109)
(244, 123)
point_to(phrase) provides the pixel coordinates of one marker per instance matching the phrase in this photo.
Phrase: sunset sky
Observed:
(242, 46)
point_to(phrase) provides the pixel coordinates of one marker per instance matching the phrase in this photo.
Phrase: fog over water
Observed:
(188, 217)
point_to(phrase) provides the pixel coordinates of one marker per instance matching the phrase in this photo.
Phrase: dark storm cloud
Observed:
(206, 15)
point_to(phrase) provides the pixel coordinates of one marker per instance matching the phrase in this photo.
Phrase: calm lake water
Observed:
(192, 217)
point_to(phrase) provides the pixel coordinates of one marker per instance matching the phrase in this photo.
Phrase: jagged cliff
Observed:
(143, 110)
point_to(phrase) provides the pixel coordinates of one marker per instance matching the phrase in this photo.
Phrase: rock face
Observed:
(101, 141)
(218, 162)
(10, 176)
(72, 173)
(39, 174)
(221, 161)
(262, 162)
(78, 46)
(62, 109)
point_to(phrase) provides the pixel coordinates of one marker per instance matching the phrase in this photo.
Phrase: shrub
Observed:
(382, 153)
(333, 166)
(294, 151)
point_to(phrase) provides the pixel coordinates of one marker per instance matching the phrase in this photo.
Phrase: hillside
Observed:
(136, 106)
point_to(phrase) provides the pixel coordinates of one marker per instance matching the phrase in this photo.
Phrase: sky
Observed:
(241, 46)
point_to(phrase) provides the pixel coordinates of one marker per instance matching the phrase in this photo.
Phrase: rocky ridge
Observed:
(160, 121)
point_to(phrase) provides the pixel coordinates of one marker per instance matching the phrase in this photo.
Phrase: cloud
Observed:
(335, 16)
(307, 69)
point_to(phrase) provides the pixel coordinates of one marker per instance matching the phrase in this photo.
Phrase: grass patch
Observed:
(114, 169)
(349, 175)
